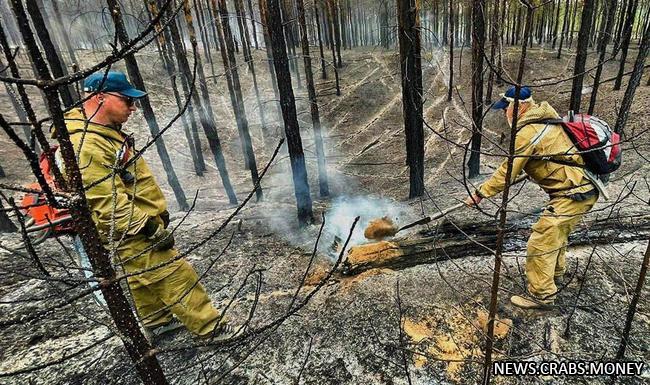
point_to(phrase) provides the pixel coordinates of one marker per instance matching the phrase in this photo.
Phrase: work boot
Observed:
(529, 302)
(157, 331)
(224, 331)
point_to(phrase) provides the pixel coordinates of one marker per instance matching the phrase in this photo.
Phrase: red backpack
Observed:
(598, 144)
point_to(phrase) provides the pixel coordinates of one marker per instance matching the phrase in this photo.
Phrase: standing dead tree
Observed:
(288, 105)
(625, 41)
(478, 49)
(605, 38)
(581, 56)
(411, 67)
(313, 103)
(635, 79)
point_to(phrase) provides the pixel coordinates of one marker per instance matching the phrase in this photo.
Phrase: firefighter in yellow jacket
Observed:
(131, 215)
(572, 193)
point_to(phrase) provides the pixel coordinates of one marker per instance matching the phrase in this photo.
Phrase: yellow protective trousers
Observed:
(547, 243)
(180, 294)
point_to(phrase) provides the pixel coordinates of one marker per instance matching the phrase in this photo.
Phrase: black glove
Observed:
(161, 238)
(165, 218)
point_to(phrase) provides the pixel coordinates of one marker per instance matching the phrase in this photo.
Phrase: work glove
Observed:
(158, 235)
(165, 218)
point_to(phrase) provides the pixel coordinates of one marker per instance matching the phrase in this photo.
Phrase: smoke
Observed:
(344, 209)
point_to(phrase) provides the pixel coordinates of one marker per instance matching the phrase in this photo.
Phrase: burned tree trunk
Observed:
(581, 56)
(6, 225)
(253, 26)
(207, 119)
(336, 26)
(288, 104)
(451, 242)
(332, 46)
(136, 77)
(635, 79)
(237, 99)
(625, 42)
(602, 49)
(320, 42)
(451, 50)
(411, 67)
(313, 103)
(52, 54)
(139, 349)
(64, 33)
(495, 27)
(565, 24)
(269, 52)
(478, 47)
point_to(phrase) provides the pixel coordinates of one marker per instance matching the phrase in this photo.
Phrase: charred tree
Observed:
(565, 24)
(6, 225)
(139, 349)
(495, 28)
(320, 42)
(635, 79)
(136, 77)
(237, 99)
(332, 46)
(478, 48)
(581, 56)
(269, 53)
(451, 50)
(336, 26)
(313, 103)
(52, 52)
(411, 68)
(625, 42)
(253, 22)
(205, 115)
(602, 50)
(64, 33)
(288, 104)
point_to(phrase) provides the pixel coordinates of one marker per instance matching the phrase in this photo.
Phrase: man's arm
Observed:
(497, 182)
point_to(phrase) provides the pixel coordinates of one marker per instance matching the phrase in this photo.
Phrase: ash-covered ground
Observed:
(424, 325)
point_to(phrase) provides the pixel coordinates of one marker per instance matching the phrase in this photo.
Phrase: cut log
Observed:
(450, 242)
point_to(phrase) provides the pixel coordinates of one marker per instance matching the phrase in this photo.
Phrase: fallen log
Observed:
(475, 239)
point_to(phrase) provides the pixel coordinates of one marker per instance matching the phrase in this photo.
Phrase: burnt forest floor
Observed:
(426, 321)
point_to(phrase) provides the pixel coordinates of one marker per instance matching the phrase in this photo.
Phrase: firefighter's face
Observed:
(116, 108)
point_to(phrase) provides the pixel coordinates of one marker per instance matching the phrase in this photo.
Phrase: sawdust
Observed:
(317, 274)
(378, 252)
(348, 283)
(456, 339)
(380, 228)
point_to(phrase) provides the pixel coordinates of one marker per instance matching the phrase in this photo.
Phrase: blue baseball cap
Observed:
(524, 96)
(114, 81)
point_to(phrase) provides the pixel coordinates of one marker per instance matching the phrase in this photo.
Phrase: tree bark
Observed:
(635, 79)
(625, 42)
(411, 68)
(565, 23)
(320, 42)
(313, 103)
(581, 56)
(606, 33)
(495, 27)
(288, 104)
(478, 48)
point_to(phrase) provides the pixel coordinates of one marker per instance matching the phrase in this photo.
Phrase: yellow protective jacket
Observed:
(111, 200)
(536, 148)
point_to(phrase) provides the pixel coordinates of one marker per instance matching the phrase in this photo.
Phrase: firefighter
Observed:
(572, 193)
(131, 214)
